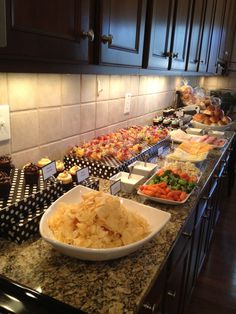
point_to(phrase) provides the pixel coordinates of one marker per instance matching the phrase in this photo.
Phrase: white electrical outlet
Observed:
(127, 103)
(4, 123)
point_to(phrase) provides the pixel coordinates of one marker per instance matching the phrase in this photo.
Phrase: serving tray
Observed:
(109, 166)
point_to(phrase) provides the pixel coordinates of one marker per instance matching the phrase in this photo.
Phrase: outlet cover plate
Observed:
(127, 103)
(5, 133)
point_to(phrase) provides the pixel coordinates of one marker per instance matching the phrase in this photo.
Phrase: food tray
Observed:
(108, 166)
(162, 200)
(199, 125)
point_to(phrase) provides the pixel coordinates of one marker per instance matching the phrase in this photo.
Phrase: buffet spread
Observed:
(152, 168)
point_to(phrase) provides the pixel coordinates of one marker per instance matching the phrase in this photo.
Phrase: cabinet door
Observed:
(196, 35)
(207, 34)
(180, 37)
(226, 39)
(216, 35)
(176, 285)
(158, 34)
(122, 32)
(47, 30)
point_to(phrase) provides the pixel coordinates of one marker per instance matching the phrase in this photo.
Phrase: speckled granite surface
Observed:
(116, 286)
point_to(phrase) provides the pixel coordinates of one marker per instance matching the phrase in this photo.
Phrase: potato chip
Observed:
(99, 221)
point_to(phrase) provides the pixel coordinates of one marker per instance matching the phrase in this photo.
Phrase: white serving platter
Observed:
(155, 217)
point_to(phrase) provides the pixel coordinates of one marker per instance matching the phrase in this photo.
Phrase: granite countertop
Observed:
(116, 286)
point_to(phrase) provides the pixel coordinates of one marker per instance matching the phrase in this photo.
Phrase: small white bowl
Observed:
(128, 184)
(142, 169)
(194, 131)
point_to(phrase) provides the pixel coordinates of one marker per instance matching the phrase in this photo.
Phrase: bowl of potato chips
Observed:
(95, 226)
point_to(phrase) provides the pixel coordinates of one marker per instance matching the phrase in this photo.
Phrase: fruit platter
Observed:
(172, 184)
(111, 153)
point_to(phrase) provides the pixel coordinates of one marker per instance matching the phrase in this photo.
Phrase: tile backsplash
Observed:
(51, 112)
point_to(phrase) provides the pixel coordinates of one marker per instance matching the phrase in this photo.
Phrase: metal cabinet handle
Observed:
(187, 235)
(171, 293)
(107, 39)
(170, 54)
(167, 54)
(89, 34)
(3, 24)
(152, 308)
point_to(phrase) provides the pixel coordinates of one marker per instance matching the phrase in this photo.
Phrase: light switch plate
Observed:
(127, 103)
(5, 133)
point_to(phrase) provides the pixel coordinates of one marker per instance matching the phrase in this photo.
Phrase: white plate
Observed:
(199, 125)
(181, 155)
(162, 200)
(155, 217)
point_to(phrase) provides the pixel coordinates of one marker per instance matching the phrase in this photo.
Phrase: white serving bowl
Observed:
(199, 125)
(156, 219)
(128, 184)
(194, 131)
(142, 169)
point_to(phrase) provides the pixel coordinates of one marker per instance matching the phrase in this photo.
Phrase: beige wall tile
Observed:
(24, 130)
(21, 158)
(115, 87)
(210, 83)
(84, 137)
(70, 89)
(70, 120)
(153, 102)
(125, 86)
(117, 126)
(103, 87)
(49, 90)
(50, 128)
(5, 147)
(22, 91)
(102, 131)
(165, 84)
(102, 114)
(116, 111)
(143, 85)
(69, 143)
(53, 151)
(143, 105)
(165, 99)
(87, 117)
(134, 85)
(88, 88)
(3, 89)
(148, 85)
(134, 107)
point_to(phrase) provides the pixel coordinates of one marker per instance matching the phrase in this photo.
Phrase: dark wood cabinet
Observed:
(207, 34)
(52, 31)
(180, 37)
(122, 32)
(216, 35)
(227, 37)
(167, 34)
(174, 301)
(179, 265)
(75, 36)
(158, 34)
(196, 34)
